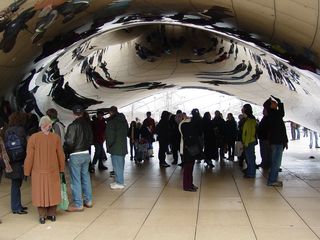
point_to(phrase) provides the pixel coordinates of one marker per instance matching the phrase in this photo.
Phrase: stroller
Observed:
(142, 150)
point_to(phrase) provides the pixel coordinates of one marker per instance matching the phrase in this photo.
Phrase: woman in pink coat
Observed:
(45, 160)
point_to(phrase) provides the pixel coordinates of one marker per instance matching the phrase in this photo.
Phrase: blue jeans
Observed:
(118, 168)
(251, 160)
(16, 195)
(276, 158)
(80, 179)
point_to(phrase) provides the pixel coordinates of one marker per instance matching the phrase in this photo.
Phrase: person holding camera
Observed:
(278, 139)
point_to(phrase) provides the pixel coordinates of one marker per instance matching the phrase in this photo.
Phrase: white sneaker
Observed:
(116, 186)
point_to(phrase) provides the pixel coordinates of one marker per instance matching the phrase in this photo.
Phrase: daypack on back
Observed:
(15, 145)
(62, 130)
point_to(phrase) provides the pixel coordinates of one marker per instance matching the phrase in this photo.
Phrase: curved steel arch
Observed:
(108, 52)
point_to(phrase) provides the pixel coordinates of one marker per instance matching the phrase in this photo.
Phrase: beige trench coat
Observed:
(45, 160)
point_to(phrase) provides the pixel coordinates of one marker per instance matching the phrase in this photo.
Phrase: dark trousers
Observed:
(133, 150)
(187, 174)
(265, 153)
(99, 154)
(47, 211)
(175, 149)
(16, 194)
(231, 146)
(218, 151)
(163, 147)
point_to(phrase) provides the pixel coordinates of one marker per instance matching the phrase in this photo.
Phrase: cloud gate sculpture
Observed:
(100, 53)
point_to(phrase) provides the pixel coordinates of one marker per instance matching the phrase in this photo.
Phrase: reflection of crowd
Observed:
(295, 131)
(67, 97)
(144, 53)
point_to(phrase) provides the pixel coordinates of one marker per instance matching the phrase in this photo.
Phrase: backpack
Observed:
(62, 130)
(15, 145)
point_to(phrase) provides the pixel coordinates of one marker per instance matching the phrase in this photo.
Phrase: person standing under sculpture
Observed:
(249, 140)
(78, 140)
(57, 126)
(151, 125)
(190, 139)
(116, 132)
(98, 129)
(277, 137)
(4, 160)
(163, 132)
(44, 164)
(15, 140)
(263, 134)
(230, 135)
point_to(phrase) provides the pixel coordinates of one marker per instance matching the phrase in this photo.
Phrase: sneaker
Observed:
(88, 204)
(116, 186)
(74, 209)
(276, 184)
(164, 164)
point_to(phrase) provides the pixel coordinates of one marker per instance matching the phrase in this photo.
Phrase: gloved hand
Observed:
(277, 99)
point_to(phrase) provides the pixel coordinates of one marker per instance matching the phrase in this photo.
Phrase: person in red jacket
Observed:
(98, 129)
(151, 126)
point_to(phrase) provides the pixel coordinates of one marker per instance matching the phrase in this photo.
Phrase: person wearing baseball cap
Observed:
(78, 140)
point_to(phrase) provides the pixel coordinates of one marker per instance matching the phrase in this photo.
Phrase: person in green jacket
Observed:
(249, 140)
(116, 139)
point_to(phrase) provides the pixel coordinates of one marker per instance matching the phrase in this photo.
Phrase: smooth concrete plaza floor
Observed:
(154, 206)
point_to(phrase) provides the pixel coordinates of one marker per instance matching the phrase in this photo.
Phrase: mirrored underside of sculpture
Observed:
(57, 53)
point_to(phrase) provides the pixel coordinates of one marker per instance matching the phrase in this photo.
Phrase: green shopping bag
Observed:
(64, 204)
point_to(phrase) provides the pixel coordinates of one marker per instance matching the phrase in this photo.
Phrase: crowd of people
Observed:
(40, 149)
(207, 138)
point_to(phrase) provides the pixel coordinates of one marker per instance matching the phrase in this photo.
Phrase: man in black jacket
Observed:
(78, 140)
(277, 137)
(162, 130)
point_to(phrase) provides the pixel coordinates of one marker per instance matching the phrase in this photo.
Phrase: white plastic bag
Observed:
(238, 149)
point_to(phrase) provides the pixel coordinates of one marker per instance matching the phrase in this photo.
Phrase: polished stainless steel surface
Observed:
(101, 53)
